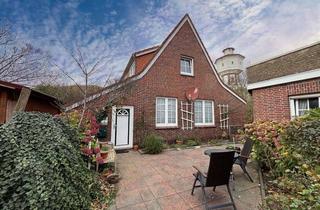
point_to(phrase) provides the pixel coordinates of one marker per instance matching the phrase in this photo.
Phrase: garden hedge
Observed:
(41, 165)
(289, 153)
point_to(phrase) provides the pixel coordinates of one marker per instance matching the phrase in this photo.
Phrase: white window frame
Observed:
(204, 114)
(191, 65)
(293, 102)
(166, 124)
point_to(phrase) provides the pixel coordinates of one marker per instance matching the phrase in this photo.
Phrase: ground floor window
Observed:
(299, 105)
(166, 112)
(203, 112)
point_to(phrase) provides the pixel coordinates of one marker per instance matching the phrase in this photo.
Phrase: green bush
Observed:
(192, 142)
(266, 137)
(41, 165)
(153, 144)
(291, 153)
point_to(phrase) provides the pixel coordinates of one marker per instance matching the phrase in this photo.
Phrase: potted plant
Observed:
(104, 151)
(179, 140)
(96, 149)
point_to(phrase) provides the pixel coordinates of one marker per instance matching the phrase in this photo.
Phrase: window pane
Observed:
(185, 65)
(161, 107)
(208, 112)
(198, 112)
(302, 106)
(172, 111)
(313, 103)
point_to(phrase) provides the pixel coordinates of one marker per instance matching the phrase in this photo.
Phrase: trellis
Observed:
(224, 116)
(186, 109)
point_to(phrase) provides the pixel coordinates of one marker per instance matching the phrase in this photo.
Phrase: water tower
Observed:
(230, 66)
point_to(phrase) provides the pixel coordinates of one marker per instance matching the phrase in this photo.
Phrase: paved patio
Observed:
(164, 181)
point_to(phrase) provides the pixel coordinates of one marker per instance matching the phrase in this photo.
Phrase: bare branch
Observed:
(70, 77)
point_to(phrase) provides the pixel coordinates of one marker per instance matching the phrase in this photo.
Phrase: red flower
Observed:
(87, 151)
(96, 150)
(87, 139)
(100, 160)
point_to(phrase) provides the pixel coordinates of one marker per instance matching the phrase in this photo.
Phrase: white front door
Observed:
(122, 127)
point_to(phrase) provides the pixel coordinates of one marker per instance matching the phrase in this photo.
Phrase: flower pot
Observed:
(104, 154)
(179, 142)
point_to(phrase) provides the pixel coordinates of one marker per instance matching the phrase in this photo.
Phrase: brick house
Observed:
(159, 79)
(286, 86)
(37, 101)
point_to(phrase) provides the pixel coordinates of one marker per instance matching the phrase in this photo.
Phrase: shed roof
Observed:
(17, 87)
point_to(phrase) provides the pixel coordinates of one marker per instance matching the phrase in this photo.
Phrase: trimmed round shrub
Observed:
(41, 165)
(153, 144)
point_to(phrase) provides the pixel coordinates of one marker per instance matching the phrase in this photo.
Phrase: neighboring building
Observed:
(9, 94)
(152, 93)
(230, 66)
(286, 86)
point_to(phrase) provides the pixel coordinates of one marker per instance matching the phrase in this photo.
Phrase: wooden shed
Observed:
(29, 100)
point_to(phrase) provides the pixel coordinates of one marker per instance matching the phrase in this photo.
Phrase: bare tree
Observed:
(20, 62)
(87, 69)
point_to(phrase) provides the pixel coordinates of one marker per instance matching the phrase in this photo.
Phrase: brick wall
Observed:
(272, 103)
(164, 79)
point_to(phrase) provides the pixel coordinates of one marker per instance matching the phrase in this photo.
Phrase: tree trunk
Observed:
(84, 107)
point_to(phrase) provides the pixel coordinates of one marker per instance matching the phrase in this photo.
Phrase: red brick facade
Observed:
(272, 103)
(164, 79)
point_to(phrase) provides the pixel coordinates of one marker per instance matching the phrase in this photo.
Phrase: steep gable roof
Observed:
(158, 52)
(187, 19)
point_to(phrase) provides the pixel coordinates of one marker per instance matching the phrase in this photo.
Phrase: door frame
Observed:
(113, 127)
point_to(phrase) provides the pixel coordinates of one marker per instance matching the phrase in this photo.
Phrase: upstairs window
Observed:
(203, 113)
(186, 66)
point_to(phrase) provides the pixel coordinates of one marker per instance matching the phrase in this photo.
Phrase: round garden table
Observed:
(209, 151)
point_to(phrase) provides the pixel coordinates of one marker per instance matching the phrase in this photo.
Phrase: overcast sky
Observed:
(257, 29)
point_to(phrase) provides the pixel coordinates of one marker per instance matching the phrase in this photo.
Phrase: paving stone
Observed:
(153, 179)
(127, 198)
(164, 181)
(181, 184)
(193, 200)
(146, 194)
(162, 189)
(152, 205)
(173, 202)
(140, 206)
